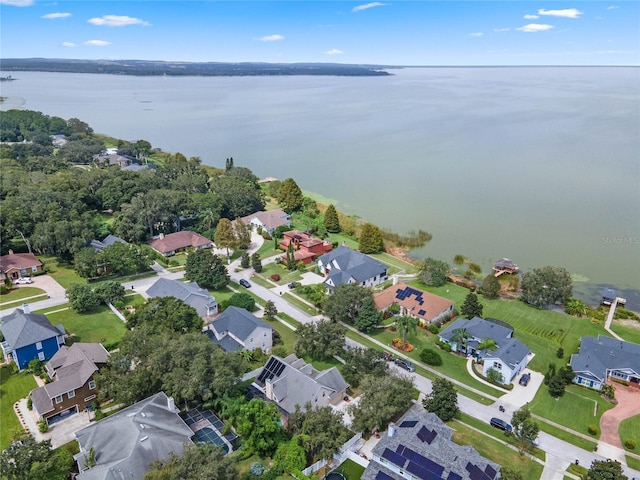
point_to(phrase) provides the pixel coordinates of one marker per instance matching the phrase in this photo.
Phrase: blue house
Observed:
(29, 336)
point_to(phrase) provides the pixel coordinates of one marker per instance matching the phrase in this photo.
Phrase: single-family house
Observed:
(269, 220)
(126, 443)
(111, 157)
(190, 293)
(100, 245)
(237, 329)
(420, 446)
(426, 307)
(72, 387)
(305, 247)
(604, 358)
(171, 243)
(344, 265)
(29, 336)
(509, 359)
(18, 265)
(58, 140)
(291, 382)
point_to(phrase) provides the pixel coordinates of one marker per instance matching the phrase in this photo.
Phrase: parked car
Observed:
(293, 285)
(524, 379)
(501, 424)
(244, 283)
(23, 281)
(406, 364)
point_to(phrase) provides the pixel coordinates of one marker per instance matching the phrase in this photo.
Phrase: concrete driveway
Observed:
(521, 395)
(48, 284)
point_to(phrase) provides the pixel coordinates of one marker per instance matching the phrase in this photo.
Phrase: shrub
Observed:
(243, 300)
(3, 290)
(560, 352)
(630, 444)
(275, 277)
(430, 357)
(99, 415)
(29, 403)
(443, 346)
(592, 429)
(301, 266)
(433, 328)
(43, 426)
(257, 469)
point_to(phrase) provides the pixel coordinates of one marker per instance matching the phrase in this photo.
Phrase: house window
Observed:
(34, 269)
(92, 385)
(89, 398)
(497, 365)
(38, 345)
(41, 356)
(251, 340)
(71, 393)
(58, 399)
(265, 334)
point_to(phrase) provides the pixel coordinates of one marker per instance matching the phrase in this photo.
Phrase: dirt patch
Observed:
(628, 323)
(628, 406)
(401, 253)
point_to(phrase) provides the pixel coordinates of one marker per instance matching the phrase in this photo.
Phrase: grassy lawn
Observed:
(62, 273)
(101, 325)
(566, 436)
(15, 296)
(286, 276)
(296, 302)
(496, 452)
(575, 409)
(13, 387)
(394, 262)
(633, 462)
(631, 333)
(630, 428)
(351, 470)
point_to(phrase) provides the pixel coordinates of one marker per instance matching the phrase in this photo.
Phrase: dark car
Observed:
(524, 379)
(406, 364)
(244, 283)
(293, 285)
(501, 424)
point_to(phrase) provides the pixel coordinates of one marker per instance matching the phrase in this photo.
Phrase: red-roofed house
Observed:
(18, 265)
(305, 247)
(424, 306)
(171, 243)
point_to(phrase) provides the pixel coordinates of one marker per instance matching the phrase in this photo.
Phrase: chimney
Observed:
(26, 308)
(10, 252)
(392, 429)
(268, 388)
(171, 404)
(161, 236)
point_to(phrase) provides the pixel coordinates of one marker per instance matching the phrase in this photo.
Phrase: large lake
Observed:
(540, 165)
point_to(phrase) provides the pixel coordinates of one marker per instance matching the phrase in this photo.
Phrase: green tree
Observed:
(320, 429)
(258, 423)
(362, 361)
(331, 221)
(525, 428)
(443, 399)
(556, 386)
(290, 196)
(242, 300)
(33, 460)
(225, 237)
(245, 260)
(407, 324)
(87, 263)
(124, 259)
(460, 337)
(370, 239)
(488, 345)
(575, 307)
(166, 314)
(368, 316)
(256, 263)
(320, 340)
(291, 259)
(240, 196)
(270, 310)
(206, 269)
(433, 272)
(197, 462)
(344, 304)
(290, 456)
(109, 292)
(490, 287)
(546, 286)
(82, 298)
(494, 376)
(471, 306)
(242, 233)
(605, 470)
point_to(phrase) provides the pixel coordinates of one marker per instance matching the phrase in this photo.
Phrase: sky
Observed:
(409, 32)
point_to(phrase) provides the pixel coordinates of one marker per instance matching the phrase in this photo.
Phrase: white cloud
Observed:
(333, 51)
(116, 21)
(501, 29)
(271, 38)
(68, 44)
(476, 34)
(535, 27)
(17, 3)
(566, 13)
(528, 16)
(612, 7)
(367, 6)
(97, 43)
(53, 16)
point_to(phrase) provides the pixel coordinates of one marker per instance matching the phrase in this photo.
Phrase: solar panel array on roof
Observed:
(407, 292)
(273, 368)
(423, 467)
(394, 457)
(475, 473)
(383, 476)
(421, 312)
(426, 435)
(454, 476)
(408, 424)
(489, 470)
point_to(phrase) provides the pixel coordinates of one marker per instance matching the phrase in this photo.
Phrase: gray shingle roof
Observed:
(189, 293)
(128, 441)
(511, 353)
(21, 329)
(480, 329)
(597, 355)
(354, 264)
(238, 322)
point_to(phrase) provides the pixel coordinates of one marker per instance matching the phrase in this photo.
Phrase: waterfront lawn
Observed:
(13, 387)
(630, 428)
(101, 325)
(575, 409)
(631, 333)
(62, 273)
(496, 451)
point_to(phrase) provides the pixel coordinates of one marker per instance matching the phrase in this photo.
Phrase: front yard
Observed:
(15, 296)
(13, 387)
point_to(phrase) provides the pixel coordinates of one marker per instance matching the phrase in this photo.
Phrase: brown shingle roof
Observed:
(410, 298)
(178, 240)
(18, 261)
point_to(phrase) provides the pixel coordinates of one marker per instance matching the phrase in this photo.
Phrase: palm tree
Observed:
(459, 337)
(487, 345)
(408, 324)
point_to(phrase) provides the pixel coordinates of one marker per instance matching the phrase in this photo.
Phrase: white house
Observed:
(237, 329)
(269, 220)
(344, 266)
(509, 360)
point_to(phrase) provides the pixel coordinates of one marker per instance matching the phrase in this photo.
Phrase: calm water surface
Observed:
(541, 165)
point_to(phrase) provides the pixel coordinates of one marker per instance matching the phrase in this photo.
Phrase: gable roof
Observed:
(422, 304)
(511, 353)
(270, 219)
(296, 383)
(237, 321)
(175, 241)
(356, 265)
(190, 293)
(479, 328)
(420, 443)
(18, 261)
(597, 355)
(126, 442)
(21, 329)
(108, 240)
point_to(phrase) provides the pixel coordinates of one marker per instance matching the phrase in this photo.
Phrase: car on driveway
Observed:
(293, 285)
(501, 424)
(524, 379)
(244, 283)
(23, 281)
(406, 364)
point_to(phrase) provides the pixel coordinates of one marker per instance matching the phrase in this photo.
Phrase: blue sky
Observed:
(381, 32)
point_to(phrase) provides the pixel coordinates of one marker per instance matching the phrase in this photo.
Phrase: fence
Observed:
(343, 453)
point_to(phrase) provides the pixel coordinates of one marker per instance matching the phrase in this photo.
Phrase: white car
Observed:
(23, 281)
